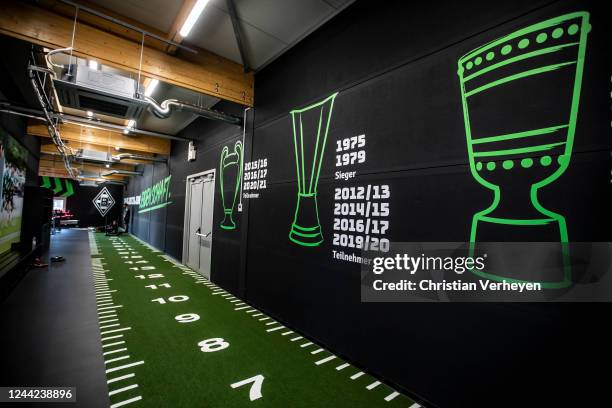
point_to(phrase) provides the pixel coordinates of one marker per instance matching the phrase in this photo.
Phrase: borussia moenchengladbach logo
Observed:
(104, 201)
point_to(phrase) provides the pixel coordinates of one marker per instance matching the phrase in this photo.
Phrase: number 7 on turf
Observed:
(255, 391)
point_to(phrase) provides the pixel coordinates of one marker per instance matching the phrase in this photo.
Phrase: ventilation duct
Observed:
(164, 110)
(122, 173)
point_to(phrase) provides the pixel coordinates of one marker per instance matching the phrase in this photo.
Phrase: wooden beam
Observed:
(54, 155)
(181, 16)
(50, 148)
(205, 72)
(77, 134)
(68, 11)
(55, 168)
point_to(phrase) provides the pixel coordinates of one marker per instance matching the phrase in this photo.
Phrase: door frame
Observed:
(187, 213)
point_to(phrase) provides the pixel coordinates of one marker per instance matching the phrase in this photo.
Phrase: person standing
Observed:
(125, 217)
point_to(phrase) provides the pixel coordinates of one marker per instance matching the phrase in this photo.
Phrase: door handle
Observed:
(202, 235)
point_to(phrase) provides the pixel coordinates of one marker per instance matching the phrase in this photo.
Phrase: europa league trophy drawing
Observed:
(230, 175)
(310, 127)
(520, 96)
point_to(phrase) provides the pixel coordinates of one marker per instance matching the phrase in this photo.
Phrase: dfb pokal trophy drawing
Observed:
(520, 95)
(310, 128)
(230, 176)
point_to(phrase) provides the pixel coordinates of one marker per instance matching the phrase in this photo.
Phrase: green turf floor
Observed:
(247, 359)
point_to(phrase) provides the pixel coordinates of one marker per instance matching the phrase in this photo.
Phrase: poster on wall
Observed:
(12, 175)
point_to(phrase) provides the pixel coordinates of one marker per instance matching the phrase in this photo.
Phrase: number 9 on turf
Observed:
(187, 318)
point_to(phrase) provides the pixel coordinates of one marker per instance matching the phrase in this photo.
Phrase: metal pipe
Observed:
(120, 156)
(121, 173)
(164, 110)
(66, 152)
(127, 25)
(32, 113)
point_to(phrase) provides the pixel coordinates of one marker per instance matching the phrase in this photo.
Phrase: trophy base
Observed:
(306, 213)
(228, 223)
(546, 261)
(310, 236)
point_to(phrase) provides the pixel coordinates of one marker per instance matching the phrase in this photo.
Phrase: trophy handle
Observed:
(224, 154)
(239, 150)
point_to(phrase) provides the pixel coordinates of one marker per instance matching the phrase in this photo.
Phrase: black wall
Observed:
(395, 66)
(82, 207)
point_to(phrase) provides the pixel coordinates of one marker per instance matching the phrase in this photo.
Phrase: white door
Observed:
(208, 192)
(199, 222)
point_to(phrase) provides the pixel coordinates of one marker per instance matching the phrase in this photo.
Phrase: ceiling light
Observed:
(151, 87)
(107, 165)
(193, 16)
(131, 124)
(93, 64)
(89, 114)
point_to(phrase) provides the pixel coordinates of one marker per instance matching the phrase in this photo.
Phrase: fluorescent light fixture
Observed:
(193, 16)
(93, 64)
(151, 87)
(89, 114)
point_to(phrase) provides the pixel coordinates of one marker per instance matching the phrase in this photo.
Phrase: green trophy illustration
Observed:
(230, 175)
(520, 96)
(310, 127)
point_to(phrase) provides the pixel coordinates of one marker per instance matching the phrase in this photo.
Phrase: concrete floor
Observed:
(49, 332)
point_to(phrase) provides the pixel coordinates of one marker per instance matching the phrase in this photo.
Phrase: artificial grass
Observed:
(176, 373)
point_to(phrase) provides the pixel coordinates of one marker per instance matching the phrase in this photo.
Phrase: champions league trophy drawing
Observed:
(230, 175)
(310, 127)
(520, 96)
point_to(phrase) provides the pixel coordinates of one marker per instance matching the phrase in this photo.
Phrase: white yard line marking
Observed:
(104, 293)
(108, 321)
(306, 344)
(117, 391)
(109, 326)
(391, 396)
(296, 338)
(251, 311)
(258, 314)
(226, 295)
(110, 307)
(325, 360)
(263, 318)
(317, 351)
(275, 329)
(114, 351)
(112, 337)
(242, 307)
(115, 330)
(356, 376)
(342, 366)
(415, 405)
(107, 312)
(271, 323)
(128, 401)
(107, 303)
(112, 360)
(240, 304)
(235, 301)
(113, 344)
(287, 333)
(373, 385)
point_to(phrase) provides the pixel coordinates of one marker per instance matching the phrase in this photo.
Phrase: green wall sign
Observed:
(156, 196)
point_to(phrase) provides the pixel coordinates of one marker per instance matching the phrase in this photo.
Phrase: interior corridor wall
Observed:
(395, 71)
